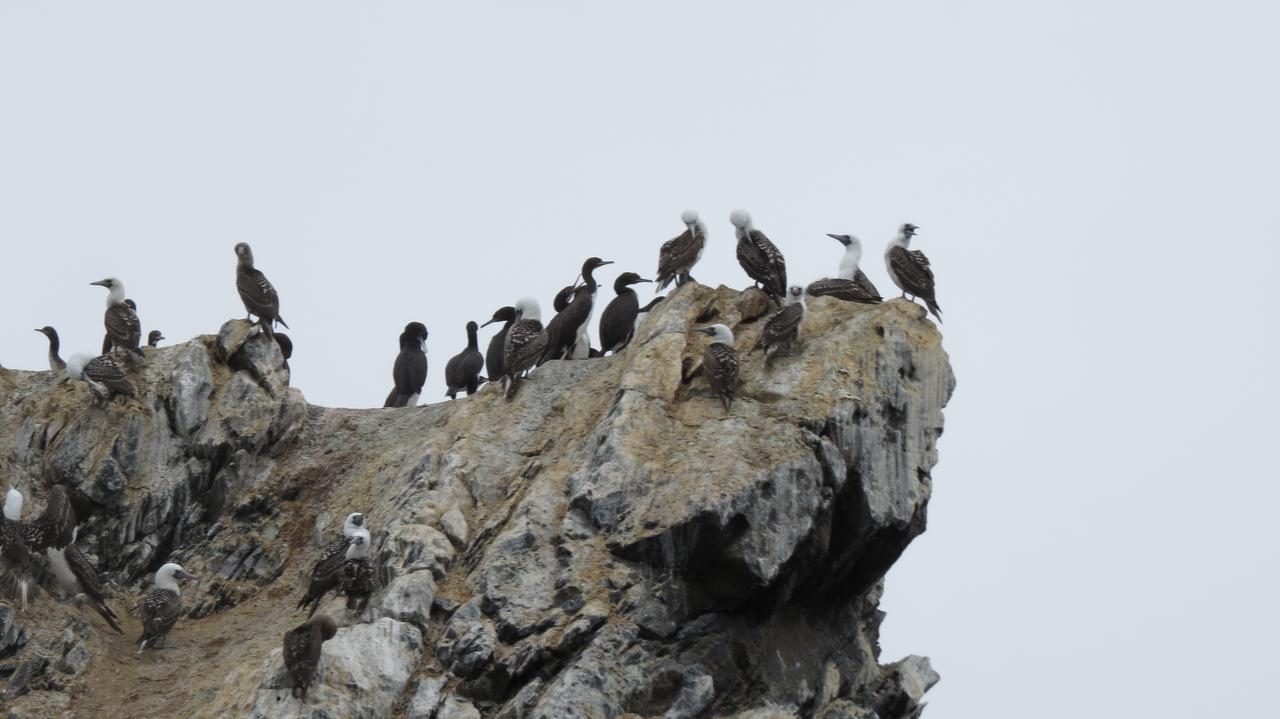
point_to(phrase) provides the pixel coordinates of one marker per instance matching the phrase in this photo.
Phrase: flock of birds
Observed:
(45, 547)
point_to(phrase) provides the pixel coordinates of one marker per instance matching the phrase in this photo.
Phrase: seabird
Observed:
(678, 256)
(302, 646)
(17, 575)
(77, 576)
(124, 330)
(326, 574)
(357, 572)
(256, 292)
(55, 361)
(153, 338)
(106, 339)
(618, 321)
(105, 377)
(55, 527)
(286, 348)
(410, 369)
(851, 283)
(567, 334)
(493, 355)
(759, 257)
(563, 297)
(720, 363)
(463, 369)
(525, 342)
(783, 328)
(160, 609)
(909, 269)
(644, 312)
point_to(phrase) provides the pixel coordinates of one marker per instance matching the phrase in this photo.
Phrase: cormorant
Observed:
(153, 338)
(678, 256)
(259, 297)
(410, 369)
(493, 355)
(909, 269)
(463, 369)
(55, 361)
(618, 321)
(759, 257)
(567, 334)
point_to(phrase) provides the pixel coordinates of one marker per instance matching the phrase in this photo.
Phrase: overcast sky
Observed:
(1096, 184)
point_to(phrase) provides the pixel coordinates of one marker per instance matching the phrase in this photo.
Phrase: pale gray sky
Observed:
(1096, 184)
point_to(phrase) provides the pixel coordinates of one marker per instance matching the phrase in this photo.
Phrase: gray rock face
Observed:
(611, 542)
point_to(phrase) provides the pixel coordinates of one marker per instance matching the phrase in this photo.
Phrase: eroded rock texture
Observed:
(611, 543)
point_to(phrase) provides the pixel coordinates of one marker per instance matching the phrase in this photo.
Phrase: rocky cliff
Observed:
(610, 543)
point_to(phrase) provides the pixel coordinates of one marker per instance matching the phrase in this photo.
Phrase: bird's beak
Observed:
(834, 237)
(101, 283)
(643, 280)
(486, 324)
(39, 330)
(704, 331)
(186, 576)
(605, 262)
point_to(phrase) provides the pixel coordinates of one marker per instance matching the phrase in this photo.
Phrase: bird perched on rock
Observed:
(77, 576)
(759, 257)
(124, 330)
(678, 255)
(256, 292)
(17, 572)
(410, 369)
(358, 577)
(563, 298)
(720, 363)
(493, 355)
(55, 527)
(160, 608)
(462, 372)
(107, 344)
(909, 269)
(106, 378)
(55, 360)
(567, 334)
(618, 321)
(153, 338)
(782, 330)
(851, 283)
(286, 348)
(302, 646)
(525, 343)
(326, 575)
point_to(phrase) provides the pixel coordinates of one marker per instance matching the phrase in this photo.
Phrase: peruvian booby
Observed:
(107, 344)
(326, 575)
(851, 283)
(525, 343)
(782, 330)
(410, 369)
(678, 256)
(493, 355)
(55, 527)
(909, 269)
(462, 372)
(720, 363)
(77, 577)
(358, 578)
(256, 292)
(17, 573)
(124, 330)
(618, 321)
(153, 338)
(160, 608)
(55, 360)
(302, 646)
(759, 257)
(567, 335)
(105, 377)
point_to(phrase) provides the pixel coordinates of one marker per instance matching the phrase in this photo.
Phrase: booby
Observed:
(302, 646)
(160, 608)
(462, 372)
(759, 257)
(720, 363)
(77, 576)
(55, 361)
(410, 369)
(17, 574)
(567, 333)
(286, 348)
(55, 527)
(678, 256)
(525, 342)
(493, 355)
(105, 377)
(153, 338)
(783, 328)
(357, 572)
(107, 344)
(256, 292)
(326, 574)
(124, 330)
(909, 269)
(851, 283)
(618, 321)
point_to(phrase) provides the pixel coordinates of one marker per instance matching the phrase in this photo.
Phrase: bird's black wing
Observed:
(257, 293)
(301, 656)
(123, 326)
(782, 326)
(56, 524)
(678, 255)
(358, 580)
(912, 270)
(493, 359)
(104, 370)
(762, 262)
(326, 574)
(415, 371)
(17, 574)
(91, 584)
(618, 321)
(841, 289)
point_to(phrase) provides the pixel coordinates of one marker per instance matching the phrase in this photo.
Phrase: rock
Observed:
(455, 708)
(695, 696)
(409, 598)
(411, 547)
(455, 527)
(468, 641)
(13, 636)
(75, 660)
(192, 385)
(426, 699)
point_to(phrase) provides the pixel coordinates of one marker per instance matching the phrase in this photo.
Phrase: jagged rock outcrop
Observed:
(610, 543)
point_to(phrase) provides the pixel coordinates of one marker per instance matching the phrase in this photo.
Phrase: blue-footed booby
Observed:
(105, 377)
(851, 283)
(720, 363)
(358, 578)
(326, 574)
(77, 576)
(124, 330)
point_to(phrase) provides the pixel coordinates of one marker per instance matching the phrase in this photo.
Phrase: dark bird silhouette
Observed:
(618, 321)
(256, 292)
(55, 360)
(759, 257)
(161, 608)
(410, 369)
(909, 269)
(567, 332)
(153, 338)
(302, 646)
(678, 256)
(493, 355)
(107, 344)
(462, 372)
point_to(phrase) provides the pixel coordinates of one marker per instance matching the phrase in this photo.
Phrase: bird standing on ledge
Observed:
(124, 330)
(256, 292)
(909, 269)
(678, 255)
(851, 283)
(759, 257)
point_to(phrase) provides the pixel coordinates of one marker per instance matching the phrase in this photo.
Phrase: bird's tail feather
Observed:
(934, 308)
(281, 321)
(105, 612)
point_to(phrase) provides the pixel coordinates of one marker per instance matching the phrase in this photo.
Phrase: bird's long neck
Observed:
(588, 280)
(165, 581)
(13, 507)
(116, 295)
(849, 263)
(472, 341)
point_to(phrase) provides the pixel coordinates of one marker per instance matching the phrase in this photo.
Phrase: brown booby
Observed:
(851, 283)
(55, 360)
(678, 255)
(124, 330)
(494, 366)
(160, 608)
(462, 372)
(618, 321)
(78, 578)
(759, 257)
(525, 343)
(326, 575)
(357, 580)
(720, 363)
(302, 646)
(909, 269)
(409, 372)
(105, 377)
(782, 330)
(256, 292)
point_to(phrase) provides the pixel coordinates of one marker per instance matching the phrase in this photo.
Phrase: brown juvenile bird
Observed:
(302, 646)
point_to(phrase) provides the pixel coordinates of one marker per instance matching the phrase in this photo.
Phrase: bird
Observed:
(618, 321)
(160, 608)
(783, 328)
(106, 339)
(55, 527)
(567, 333)
(105, 377)
(286, 348)
(77, 576)
(643, 312)
(124, 330)
(462, 371)
(17, 573)
(678, 256)
(909, 269)
(153, 338)
(410, 369)
(357, 581)
(759, 257)
(720, 363)
(302, 646)
(525, 343)
(56, 362)
(256, 292)
(851, 283)
(326, 574)
(493, 355)
(563, 297)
